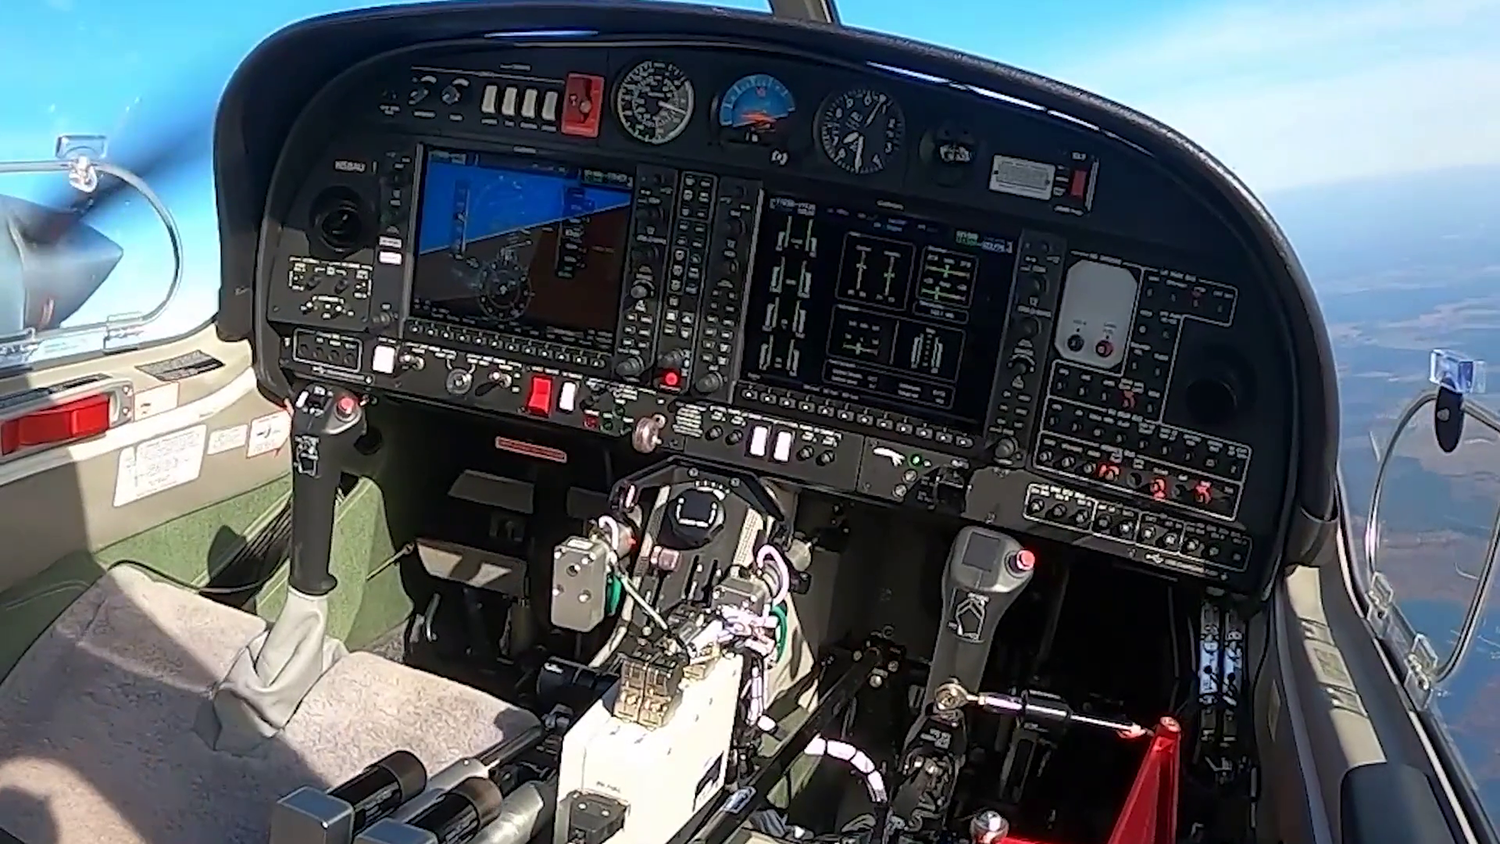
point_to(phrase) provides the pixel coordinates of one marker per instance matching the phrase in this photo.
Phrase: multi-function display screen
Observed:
(877, 309)
(524, 248)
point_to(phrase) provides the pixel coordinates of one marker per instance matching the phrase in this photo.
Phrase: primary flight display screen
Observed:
(883, 310)
(533, 249)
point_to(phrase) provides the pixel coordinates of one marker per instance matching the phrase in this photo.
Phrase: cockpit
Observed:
(710, 427)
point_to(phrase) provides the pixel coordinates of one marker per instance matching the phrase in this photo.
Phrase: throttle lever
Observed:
(952, 697)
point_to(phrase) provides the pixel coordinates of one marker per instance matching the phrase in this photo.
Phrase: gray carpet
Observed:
(96, 724)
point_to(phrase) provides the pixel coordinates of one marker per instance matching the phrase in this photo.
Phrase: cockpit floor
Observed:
(97, 738)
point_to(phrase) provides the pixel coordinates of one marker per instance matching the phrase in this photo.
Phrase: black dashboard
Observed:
(691, 230)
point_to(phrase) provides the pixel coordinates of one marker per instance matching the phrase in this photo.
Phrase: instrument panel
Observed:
(858, 281)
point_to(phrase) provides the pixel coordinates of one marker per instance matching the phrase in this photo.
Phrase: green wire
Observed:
(613, 593)
(778, 612)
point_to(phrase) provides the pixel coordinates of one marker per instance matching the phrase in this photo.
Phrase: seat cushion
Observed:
(97, 739)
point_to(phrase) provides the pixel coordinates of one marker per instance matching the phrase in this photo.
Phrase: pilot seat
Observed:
(150, 714)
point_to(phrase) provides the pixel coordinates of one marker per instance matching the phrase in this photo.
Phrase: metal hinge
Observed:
(1421, 666)
(1381, 597)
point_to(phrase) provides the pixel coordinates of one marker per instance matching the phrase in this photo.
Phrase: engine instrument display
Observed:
(524, 248)
(754, 109)
(890, 311)
(861, 130)
(655, 102)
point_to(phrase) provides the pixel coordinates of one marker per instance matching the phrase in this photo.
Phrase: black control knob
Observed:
(694, 518)
(1028, 327)
(672, 361)
(708, 383)
(1005, 448)
(629, 366)
(1020, 365)
(641, 290)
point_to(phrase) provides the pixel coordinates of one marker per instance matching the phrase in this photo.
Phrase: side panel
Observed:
(1335, 718)
(183, 458)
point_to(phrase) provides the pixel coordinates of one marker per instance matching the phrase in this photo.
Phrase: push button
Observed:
(782, 452)
(567, 397)
(539, 395)
(760, 437)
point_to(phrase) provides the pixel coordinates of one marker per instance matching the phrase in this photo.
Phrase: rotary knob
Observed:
(458, 381)
(708, 383)
(646, 437)
(630, 366)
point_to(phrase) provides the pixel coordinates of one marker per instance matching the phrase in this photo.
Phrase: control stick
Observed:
(326, 420)
(273, 672)
(985, 573)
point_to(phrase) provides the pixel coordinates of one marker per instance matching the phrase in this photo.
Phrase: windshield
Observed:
(1370, 127)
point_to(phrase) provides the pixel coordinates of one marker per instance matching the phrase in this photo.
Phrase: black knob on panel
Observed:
(672, 360)
(629, 366)
(640, 290)
(708, 383)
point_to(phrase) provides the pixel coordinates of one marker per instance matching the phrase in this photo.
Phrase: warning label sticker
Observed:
(160, 464)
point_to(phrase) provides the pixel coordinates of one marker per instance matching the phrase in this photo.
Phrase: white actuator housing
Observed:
(662, 776)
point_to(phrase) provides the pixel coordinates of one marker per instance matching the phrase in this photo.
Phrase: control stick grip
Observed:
(326, 421)
(985, 573)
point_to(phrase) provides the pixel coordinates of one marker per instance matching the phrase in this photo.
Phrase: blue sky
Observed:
(1288, 93)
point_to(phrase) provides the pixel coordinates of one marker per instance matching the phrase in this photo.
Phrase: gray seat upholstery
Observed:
(97, 737)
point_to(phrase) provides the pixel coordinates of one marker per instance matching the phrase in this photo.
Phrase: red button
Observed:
(1024, 560)
(345, 406)
(539, 397)
(671, 379)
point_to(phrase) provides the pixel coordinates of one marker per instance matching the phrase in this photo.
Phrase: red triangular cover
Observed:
(1149, 815)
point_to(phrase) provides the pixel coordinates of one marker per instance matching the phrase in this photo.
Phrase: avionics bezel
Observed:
(516, 345)
(848, 414)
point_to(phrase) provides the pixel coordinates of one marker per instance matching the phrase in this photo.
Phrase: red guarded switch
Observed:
(539, 395)
(583, 103)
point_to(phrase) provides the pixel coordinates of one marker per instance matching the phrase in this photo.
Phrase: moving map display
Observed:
(522, 248)
(893, 312)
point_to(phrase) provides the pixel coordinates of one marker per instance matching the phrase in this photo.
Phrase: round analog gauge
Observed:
(861, 130)
(655, 102)
(752, 111)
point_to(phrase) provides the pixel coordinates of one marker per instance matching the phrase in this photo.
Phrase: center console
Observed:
(896, 322)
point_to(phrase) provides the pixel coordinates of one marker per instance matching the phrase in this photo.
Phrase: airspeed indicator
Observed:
(655, 102)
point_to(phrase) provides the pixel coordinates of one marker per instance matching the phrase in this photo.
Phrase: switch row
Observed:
(513, 101)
